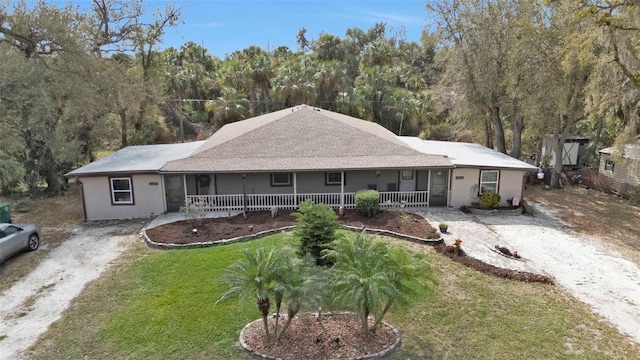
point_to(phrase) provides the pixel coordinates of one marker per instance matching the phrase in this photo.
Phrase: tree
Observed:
(45, 89)
(479, 36)
(371, 276)
(316, 225)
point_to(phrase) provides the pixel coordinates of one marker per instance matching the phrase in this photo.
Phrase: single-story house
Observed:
(282, 158)
(620, 173)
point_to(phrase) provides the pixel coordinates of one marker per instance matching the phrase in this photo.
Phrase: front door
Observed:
(407, 180)
(438, 187)
(175, 192)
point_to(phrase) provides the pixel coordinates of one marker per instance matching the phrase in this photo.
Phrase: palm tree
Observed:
(303, 284)
(230, 107)
(255, 275)
(371, 276)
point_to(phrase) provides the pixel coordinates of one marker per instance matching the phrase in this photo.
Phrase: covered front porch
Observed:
(264, 191)
(257, 202)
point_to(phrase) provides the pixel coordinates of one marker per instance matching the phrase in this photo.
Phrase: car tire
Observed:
(34, 242)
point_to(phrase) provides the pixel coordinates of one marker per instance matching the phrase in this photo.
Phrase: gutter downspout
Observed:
(84, 205)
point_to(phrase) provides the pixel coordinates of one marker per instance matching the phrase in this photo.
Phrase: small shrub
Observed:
(196, 211)
(489, 200)
(367, 202)
(433, 234)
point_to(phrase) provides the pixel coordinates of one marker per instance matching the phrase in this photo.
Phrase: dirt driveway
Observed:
(37, 300)
(590, 269)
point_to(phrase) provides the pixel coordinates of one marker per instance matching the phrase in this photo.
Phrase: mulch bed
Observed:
(339, 336)
(459, 256)
(216, 229)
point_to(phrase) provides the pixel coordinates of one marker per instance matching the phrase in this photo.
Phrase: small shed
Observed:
(574, 149)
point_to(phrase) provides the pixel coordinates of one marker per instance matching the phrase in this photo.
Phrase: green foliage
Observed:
(276, 278)
(489, 200)
(255, 275)
(371, 276)
(367, 202)
(316, 226)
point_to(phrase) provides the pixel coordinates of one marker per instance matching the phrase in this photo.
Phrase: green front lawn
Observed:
(161, 305)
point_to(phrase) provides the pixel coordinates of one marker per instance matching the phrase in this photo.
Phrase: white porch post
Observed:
(184, 184)
(244, 194)
(429, 188)
(342, 189)
(295, 188)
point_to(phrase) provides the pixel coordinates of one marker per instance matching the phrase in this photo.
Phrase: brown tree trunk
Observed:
(498, 129)
(518, 127)
(488, 139)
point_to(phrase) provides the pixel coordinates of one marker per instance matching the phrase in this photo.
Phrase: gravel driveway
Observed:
(36, 301)
(586, 266)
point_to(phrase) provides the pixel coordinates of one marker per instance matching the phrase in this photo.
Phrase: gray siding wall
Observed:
(625, 175)
(387, 177)
(307, 182)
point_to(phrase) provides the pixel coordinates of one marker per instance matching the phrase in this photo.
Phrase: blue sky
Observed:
(223, 26)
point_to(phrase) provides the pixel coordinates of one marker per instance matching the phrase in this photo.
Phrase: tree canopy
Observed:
(505, 73)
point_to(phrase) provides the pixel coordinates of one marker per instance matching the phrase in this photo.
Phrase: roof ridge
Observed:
(237, 124)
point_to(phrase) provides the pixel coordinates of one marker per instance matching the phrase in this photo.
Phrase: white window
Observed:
(608, 165)
(281, 179)
(407, 174)
(334, 178)
(489, 181)
(121, 191)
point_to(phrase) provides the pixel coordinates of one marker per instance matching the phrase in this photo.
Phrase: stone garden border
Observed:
(379, 354)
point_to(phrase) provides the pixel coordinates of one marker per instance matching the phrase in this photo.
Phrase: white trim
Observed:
(496, 182)
(114, 191)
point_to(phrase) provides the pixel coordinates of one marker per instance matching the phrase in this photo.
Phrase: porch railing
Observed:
(257, 202)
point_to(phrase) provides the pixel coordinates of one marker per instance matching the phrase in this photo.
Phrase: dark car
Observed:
(15, 238)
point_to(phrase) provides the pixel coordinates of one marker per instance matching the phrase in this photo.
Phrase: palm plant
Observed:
(371, 276)
(303, 285)
(255, 275)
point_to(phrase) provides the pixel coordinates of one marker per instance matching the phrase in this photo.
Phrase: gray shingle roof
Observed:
(137, 159)
(299, 139)
(467, 154)
(631, 151)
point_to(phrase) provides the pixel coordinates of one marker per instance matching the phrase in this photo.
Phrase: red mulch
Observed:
(216, 229)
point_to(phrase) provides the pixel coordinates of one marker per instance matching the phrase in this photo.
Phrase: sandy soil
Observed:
(32, 304)
(592, 270)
